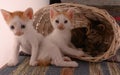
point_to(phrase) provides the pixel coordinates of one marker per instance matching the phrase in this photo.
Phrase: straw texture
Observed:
(94, 29)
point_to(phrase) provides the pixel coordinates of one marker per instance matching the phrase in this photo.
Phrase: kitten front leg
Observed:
(66, 58)
(13, 60)
(72, 51)
(71, 45)
(34, 53)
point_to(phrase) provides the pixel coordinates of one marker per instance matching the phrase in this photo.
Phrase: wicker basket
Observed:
(94, 30)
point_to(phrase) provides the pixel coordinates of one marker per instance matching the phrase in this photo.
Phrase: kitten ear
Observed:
(53, 12)
(29, 13)
(70, 13)
(6, 14)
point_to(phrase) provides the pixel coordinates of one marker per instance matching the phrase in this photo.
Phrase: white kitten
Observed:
(25, 36)
(57, 43)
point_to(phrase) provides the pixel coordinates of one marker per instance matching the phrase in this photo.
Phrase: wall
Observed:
(95, 2)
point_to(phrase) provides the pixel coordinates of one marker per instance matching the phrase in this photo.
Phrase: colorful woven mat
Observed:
(85, 68)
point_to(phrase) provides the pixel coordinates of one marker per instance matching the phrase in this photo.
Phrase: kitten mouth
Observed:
(19, 33)
(61, 27)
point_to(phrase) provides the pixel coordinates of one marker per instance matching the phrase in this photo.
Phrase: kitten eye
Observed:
(12, 27)
(57, 21)
(65, 21)
(22, 26)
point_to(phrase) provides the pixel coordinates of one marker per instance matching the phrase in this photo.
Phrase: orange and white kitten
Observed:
(57, 43)
(25, 36)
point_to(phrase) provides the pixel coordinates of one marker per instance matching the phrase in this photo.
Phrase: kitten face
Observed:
(61, 21)
(18, 26)
(17, 21)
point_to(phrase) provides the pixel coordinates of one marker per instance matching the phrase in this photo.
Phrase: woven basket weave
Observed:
(85, 19)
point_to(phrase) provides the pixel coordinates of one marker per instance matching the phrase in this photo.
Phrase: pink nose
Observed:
(19, 33)
(60, 26)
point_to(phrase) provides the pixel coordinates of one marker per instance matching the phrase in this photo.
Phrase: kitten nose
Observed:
(61, 26)
(19, 33)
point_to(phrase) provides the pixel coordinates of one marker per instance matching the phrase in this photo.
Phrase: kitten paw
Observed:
(74, 64)
(66, 58)
(80, 53)
(12, 62)
(33, 63)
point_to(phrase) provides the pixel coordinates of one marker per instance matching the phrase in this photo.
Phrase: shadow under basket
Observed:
(95, 31)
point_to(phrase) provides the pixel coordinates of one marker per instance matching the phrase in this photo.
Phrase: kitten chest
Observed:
(64, 37)
(25, 44)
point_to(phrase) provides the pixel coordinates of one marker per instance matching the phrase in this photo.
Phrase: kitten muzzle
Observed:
(61, 27)
(19, 33)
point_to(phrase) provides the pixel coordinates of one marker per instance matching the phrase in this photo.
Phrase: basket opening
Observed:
(97, 40)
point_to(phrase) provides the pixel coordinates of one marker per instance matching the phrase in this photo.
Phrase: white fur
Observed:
(64, 36)
(50, 51)
(6, 38)
(29, 41)
(57, 43)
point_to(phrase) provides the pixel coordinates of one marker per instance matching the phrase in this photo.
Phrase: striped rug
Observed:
(85, 68)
